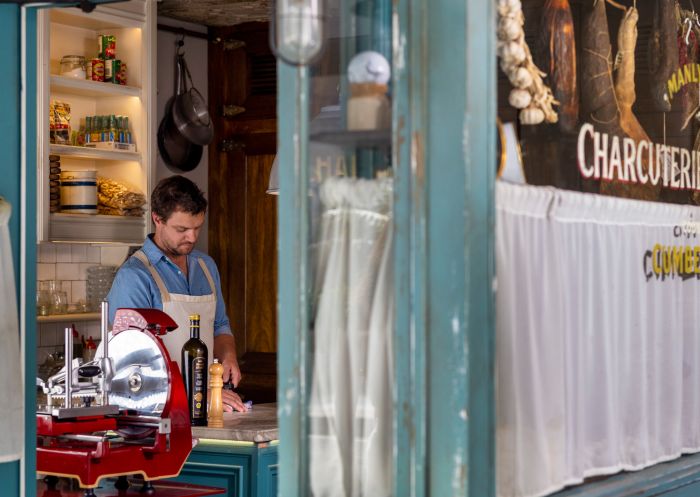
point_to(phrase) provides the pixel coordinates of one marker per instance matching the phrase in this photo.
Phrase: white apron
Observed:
(180, 307)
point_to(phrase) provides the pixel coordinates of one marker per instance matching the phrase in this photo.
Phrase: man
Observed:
(168, 274)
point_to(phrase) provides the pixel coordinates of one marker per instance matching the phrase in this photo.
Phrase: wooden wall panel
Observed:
(242, 217)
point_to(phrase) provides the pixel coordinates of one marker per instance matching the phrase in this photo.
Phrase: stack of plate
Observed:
(54, 183)
(99, 282)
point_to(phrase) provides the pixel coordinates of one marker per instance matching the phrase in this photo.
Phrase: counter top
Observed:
(257, 425)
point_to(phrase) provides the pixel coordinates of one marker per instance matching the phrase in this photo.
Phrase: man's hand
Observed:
(230, 400)
(225, 351)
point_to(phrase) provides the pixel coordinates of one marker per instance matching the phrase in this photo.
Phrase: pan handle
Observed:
(180, 69)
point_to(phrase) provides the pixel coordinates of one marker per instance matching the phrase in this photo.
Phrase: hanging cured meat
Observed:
(624, 75)
(663, 52)
(599, 104)
(558, 47)
(687, 58)
(626, 96)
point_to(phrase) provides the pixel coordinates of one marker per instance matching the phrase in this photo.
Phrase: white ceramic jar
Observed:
(79, 192)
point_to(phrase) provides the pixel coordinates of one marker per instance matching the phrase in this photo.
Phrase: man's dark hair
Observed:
(177, 193)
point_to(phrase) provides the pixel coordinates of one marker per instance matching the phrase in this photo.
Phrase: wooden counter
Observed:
(258, 425)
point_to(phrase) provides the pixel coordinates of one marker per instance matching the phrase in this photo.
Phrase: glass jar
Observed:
(73, 66)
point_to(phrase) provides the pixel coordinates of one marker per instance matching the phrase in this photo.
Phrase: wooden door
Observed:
(243, 217)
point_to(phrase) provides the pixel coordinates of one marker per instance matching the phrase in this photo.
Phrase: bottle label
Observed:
(199, 408)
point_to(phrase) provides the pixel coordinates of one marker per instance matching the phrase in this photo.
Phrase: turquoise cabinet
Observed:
(244, 469)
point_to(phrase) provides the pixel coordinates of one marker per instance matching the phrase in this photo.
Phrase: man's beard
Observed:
(182, 249)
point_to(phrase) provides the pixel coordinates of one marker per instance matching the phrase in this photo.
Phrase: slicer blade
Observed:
(140, 381)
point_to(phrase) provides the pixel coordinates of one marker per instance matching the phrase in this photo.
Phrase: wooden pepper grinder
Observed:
(216, 406)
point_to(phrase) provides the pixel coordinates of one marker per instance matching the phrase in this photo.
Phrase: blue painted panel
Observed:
(267, 472)
(10, 171)
(219, 467)
(30, 250)
(293, 333)
(10, 124)
(9, 476)
(460, 152)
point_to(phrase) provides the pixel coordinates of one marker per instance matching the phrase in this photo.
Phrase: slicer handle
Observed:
(216, 406)
(89, 371)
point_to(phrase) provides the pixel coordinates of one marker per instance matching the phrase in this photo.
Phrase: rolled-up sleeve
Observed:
(132, 289)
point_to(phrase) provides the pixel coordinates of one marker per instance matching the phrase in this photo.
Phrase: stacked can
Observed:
(106, 67)
(54, 183)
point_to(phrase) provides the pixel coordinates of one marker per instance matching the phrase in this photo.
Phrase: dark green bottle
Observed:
(194, 373)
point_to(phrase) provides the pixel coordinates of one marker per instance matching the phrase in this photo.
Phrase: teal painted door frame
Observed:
(444, 114)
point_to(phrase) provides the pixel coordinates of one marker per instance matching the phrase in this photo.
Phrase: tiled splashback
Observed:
(68, 263)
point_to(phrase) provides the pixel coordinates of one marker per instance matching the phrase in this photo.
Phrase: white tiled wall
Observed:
(68, 263)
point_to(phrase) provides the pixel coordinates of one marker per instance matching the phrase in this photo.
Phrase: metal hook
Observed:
(687, 25)
(180, 42)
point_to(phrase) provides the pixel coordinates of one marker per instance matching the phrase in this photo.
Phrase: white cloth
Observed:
(598, 367)
(11, 385)
(351, 394)
(180, 307)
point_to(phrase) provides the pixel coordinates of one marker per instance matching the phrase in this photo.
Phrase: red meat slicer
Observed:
(124, 413)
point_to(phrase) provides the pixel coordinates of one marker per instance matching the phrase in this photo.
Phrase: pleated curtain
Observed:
(350, 405)
(11, 378)
(598, 367)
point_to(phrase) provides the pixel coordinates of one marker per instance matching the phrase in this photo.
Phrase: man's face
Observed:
(179, 233)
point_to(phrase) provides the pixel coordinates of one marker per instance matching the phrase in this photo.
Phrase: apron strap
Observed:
(208, 275)
(164, 294)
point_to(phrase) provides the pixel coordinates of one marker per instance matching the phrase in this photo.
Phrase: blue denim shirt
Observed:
(134, 286)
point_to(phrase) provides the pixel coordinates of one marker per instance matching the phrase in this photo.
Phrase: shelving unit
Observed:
(93, 153)
(72, 32)
(63, 318)
(353, 139)
(89, 88)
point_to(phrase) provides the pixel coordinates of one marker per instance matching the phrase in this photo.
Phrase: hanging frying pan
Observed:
(190, 113)
(177, 151)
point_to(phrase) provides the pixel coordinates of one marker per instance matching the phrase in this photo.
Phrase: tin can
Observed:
(97, 71)
(121, 75)
(112, 67)
(107, 46)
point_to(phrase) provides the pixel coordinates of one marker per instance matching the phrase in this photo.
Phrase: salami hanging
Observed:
(663, 52)
(558, 47)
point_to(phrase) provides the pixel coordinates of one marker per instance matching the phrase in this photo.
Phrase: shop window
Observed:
(598, 351)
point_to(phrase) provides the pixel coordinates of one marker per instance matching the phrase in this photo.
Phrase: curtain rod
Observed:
(183, 31)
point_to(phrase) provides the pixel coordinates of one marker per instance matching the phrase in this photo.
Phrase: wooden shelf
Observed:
(89, 88)
(93, 153)
(64, 318)
(96, 228)
(356, 139)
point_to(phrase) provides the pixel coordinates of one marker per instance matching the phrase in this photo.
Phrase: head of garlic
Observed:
(532, 115)
(520, 99)
(511, 53)
(520, 77)
(509, 29)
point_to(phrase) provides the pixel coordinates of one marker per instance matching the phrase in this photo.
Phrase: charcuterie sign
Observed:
(689, 73)
(612, 158)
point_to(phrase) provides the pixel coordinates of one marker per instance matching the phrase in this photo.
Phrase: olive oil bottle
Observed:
(194, 373)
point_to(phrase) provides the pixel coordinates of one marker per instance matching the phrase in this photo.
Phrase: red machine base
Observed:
(162, 488)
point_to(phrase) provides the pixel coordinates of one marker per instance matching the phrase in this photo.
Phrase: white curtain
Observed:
(11, 379)
(598, 367)
(351, 391)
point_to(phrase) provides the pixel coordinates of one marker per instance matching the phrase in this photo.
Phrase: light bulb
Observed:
(299, 30)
